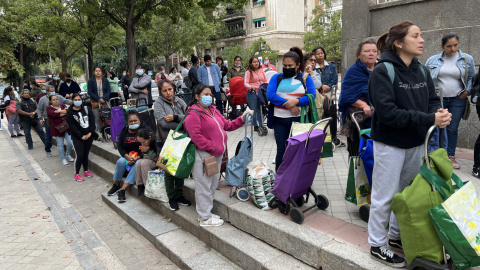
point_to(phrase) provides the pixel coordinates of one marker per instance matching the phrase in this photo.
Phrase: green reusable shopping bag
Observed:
(419, 238)
(457, 222)
(178, 153)
(358, 188)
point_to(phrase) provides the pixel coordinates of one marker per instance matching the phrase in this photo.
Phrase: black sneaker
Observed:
(121, 196)
(395, 244)
(173, 204)
(183, 202)
(255, 128)
(141, 190)
(476, 172)
(386, 256)
(113, 190)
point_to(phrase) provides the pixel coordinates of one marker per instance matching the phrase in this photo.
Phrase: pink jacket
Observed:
(206, 133)
(269, 66)
(255, 80)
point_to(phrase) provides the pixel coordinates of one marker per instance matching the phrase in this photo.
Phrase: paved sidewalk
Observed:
(100, 238)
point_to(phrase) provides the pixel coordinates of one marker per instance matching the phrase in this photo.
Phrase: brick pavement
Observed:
(101, 238)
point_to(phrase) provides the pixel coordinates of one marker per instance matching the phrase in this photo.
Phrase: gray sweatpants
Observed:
(96, 113)
(394, 169)
(205, 186)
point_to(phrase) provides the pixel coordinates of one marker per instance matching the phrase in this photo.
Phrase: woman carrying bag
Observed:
(60, 129)
(254, 77)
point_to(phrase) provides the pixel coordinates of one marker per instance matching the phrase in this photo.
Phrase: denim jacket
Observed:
(329, 74)
(215, 72)
(434, 64)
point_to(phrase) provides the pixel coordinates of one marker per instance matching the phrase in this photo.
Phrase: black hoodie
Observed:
(80, 123)
(404, 110)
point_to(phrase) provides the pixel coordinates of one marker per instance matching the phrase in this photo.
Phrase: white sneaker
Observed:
(211, 222)
(199, 218)
(65, 162)
(70, 158)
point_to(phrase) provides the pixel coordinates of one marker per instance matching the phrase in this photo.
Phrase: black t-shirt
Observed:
(130, 143)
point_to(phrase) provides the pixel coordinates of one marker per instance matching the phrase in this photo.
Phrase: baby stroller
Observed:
(105, 119)
(262, 99)
(296, 173)
(117, 123)
(236, 171)
(237, 95)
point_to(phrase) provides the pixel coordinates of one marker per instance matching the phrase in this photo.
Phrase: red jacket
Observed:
(56, 119)
(207, 131)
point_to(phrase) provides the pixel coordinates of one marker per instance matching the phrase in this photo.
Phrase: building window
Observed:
(258, 23)
(257, 3)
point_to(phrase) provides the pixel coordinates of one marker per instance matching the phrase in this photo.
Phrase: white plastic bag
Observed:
(155, 187)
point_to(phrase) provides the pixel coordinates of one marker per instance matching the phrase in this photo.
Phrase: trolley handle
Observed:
(248, 118)
(355, 120)
(110, 101)
(329, 119)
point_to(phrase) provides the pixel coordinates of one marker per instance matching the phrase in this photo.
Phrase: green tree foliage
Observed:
(256, 49)
(326, 30)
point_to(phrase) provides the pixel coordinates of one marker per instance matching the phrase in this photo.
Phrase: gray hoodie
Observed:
(162, 108)
(138, 84)
(44, 102)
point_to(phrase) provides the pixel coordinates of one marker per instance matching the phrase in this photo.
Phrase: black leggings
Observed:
(82, 149)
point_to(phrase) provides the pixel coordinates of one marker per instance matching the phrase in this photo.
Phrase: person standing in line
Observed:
(404, 111)
(55, 82)
(223, 69)
(42, 93)
(13, 118)
(237, 70)
(449, 70)
(125, 81)
(254, 77)
(161, 75)
(141, 86)
(81, 122)
(329, 75)
(267, 65)
(187, 93)
(69, 87)
(27, 110)
(209, 74)
(113, 84)
(57, 116)
(193, 72)
(99, 91)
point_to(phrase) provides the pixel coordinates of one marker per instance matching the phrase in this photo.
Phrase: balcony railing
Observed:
(233, 14)
(234, 33)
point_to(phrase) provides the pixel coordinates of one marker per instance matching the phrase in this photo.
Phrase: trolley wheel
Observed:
(322, 203)
(364, 212)
(273, 203)
(333, 147)
(115, 145)
(262, 131)
(296, 215)
(283, 208)
(300, 201)
(242, 194)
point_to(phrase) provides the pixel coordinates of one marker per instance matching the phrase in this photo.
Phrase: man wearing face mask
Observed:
(27, 111)
(209, 74)
(55, 82)
(42, 93)
(141, 86)
(125, 82)
(69, 87)
(43, 103)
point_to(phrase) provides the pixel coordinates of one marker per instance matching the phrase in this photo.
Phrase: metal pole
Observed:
(51, 67)
(86, 67)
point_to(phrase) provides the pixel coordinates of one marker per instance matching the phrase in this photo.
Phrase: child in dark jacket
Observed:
(149, 161)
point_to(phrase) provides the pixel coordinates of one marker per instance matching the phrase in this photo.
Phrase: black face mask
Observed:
(289, 72)
(68, 80)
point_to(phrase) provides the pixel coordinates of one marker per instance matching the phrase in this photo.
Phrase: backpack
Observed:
(188, 81)
(475, 89)
(391, 70)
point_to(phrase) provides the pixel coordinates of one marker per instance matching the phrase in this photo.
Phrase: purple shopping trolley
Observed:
(117, 123)
(296, 173)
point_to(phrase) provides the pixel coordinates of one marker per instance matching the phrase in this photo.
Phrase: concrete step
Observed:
(312, 247)
(184, 249)
(241, 248)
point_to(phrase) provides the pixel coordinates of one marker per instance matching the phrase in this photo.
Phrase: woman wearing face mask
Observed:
(169, 111)
(13, 118)
(449, 70)
(237, 70)
(207, 128)
(404, 111)
(113, 84)
(288, 99)
(141, 86)
(267, 65)
(127, 144)
(57, 115)
(81, 122)
(254, 77)
(42, 93)
(161, 75)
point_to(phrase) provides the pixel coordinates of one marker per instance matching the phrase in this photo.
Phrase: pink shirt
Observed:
(256, 80)
(269, 66)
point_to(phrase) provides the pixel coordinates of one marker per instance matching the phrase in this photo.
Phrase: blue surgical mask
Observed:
(124, 74)
(77, 103)
(139, 72)
(237, 65)
(206, 101)
(44, 91)
(53, 94)
(163, 71)
(134, 126)
(265, 63)
(56, 78)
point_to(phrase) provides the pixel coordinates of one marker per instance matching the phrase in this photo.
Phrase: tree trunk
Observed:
(63, 55)
(131, 48)
(20, 60)
(90, 62)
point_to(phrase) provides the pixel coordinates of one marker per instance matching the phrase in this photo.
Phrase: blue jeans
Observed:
(218, 99)
(60, 148)
(252, 100)
(281, 127)
(187, 95)
(456, 107)
(28, 135)
(120, 170)
(48, 138)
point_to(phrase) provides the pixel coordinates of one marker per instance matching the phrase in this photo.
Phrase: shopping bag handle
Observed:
(436, 181)
(179, 126)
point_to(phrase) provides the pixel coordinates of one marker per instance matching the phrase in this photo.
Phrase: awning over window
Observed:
(259, 19)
